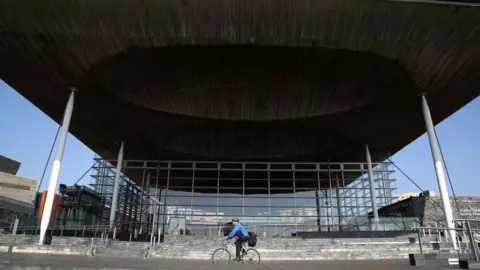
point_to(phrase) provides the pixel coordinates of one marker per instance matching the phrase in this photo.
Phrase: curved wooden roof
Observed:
(244, 80)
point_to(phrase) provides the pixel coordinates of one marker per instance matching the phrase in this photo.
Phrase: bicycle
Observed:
(248, 255)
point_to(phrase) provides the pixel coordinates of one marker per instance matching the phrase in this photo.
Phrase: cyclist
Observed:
(242, 236)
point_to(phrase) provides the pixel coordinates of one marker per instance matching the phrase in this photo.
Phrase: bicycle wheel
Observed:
(252, 257)
(221, 254)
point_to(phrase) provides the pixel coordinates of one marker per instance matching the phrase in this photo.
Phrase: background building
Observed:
(15, 187)
(17, 194)
(9, 166)
(427, 209)
(406, 195)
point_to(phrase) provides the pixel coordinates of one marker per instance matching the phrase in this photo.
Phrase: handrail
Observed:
(471, 236)
(417, 221)
(467, 220)
(468, 230)
(58, 227)
(442, 228)
(389, 224)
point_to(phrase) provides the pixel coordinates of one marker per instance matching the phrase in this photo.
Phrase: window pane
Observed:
(306, 176)
(306, 193)
(229, 199)
(281, 175)
(230, 204)
(258, 183)
(306, 202)
(281, 184)
(256, 205)
(237, 183)
(233, 211)
(179, 192)
(204, 199)
(256, 191)
(201, 215)
(282, 204)
(311, 184)
(212, 191)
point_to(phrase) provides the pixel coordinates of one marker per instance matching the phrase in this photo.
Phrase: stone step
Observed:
(270, 248)
(46, 250)
(171, 251)
(189, 238)
(196, 240)
(297, 255)
(263, 242)
(266, 241)
(55, 240)
(263, 249)
(328, 249)
(299, 242)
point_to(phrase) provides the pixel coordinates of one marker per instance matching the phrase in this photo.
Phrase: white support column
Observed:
(52, 186)
(116, 185)
(372, 189)
(438, 164)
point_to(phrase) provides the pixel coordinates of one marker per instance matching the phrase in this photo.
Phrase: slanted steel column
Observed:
(437, 162)
(116, 185)
(125, 208)
(317, 199)
(372, 190)
(52, 185)
(339, 205)
(14, 234)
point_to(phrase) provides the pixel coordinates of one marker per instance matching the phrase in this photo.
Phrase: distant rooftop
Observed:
(8, 165)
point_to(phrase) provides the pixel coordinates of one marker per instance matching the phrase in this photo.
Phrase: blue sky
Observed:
(26, 135)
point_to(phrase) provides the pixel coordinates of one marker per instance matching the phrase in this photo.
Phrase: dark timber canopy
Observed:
(242, 80)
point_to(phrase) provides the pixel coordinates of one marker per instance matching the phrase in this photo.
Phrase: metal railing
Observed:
(470, 233)
(287, 229)
(73, 230)
(357, 224)
(441, 234)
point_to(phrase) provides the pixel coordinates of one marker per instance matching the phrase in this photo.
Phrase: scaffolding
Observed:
(278, 198)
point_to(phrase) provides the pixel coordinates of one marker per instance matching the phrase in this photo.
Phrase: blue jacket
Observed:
(239, 231)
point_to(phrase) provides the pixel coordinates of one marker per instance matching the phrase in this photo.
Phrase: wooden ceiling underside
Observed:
(242, 80)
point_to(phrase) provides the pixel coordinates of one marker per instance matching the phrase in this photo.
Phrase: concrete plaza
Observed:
(34, 261)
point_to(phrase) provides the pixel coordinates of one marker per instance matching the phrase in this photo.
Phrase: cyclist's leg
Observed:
(238, 247)
(244, 246)
(239, 244)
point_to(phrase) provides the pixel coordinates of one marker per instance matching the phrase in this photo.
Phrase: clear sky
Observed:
(26, 135)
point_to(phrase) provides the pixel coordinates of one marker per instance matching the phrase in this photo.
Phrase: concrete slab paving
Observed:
(40, 262)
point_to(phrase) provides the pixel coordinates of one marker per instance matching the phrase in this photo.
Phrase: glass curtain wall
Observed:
(274, 199)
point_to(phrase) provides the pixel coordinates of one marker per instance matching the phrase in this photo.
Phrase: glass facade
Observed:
(276, 199)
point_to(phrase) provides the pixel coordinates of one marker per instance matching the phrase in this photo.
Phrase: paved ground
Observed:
(39, 262)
